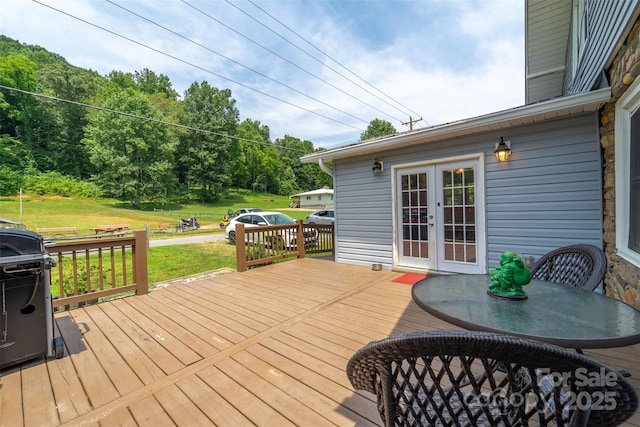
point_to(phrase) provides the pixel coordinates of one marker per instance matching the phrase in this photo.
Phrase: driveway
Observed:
(196, 238)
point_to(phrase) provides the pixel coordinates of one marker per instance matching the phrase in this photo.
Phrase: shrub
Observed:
(56, 184)
(10, 181)
(67, 279)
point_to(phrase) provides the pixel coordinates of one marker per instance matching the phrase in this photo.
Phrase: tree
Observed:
(17, 109)
(377, 128)
(14, 162)
(65, 152)
(151, 83)
(208, 158)
(288, 184)
(123, 80)
(290, 150)
(258, 165)
(132, 157)
(322, 178)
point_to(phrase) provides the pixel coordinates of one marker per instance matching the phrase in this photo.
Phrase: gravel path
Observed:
(196, 238)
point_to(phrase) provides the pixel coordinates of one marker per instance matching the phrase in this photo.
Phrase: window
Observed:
(627, 171)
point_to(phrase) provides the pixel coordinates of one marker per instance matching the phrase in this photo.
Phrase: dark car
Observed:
(241, 211)
(325, 216)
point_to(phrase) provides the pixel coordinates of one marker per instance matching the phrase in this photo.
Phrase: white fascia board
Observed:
(532, 113)
(321, 191)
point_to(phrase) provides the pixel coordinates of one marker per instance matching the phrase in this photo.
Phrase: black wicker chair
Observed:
(581, 266)
(450, 378)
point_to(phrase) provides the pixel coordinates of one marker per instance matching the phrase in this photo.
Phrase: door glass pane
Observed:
(459, 215)
(415, 215)
(405, 182)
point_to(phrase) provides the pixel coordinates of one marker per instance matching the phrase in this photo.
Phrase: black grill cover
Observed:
(14, 242)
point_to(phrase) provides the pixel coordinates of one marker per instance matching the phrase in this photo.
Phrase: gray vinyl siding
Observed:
(552, 196)
(607, 21)
(546, 48)
(549, 194)
(363, 227)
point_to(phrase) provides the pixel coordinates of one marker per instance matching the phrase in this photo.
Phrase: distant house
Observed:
(442, 201)
(316, 199)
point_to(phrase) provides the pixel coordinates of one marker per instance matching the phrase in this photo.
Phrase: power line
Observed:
(199, 67)
(236, 62)
(325, 54)
(148, 119)
(411, 122)
(285, 59)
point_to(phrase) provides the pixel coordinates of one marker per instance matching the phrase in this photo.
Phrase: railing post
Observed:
(140, 262)
(302, 250)
(333, 238)
(241, 250)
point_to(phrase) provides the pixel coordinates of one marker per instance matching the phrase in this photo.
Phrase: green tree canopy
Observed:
(41, 136)
(208, 159)
(258, 166)
(290, 150)
(62, 147)
(377, 128)
(17, 108)
(132, 158)
(150, 83)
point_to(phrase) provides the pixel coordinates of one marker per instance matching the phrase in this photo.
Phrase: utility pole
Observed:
(411, 122)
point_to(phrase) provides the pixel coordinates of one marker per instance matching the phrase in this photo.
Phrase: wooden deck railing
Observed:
(270, 243)
(91, 269)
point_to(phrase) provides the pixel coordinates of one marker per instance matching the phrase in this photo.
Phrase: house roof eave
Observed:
(533, 113)
(320, 191)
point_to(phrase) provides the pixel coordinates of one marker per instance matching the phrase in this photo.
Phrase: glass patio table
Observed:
(553, 313)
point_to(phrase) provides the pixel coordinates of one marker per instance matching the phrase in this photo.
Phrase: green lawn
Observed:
(39, 212)
(172, 262)
(164, 262)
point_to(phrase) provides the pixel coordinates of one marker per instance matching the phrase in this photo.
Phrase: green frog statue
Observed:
(508, 279)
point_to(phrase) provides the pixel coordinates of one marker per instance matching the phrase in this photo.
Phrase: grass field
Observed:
(172, 262)
(164, 262)
(40, 212)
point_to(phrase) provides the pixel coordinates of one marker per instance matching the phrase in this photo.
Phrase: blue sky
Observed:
(318, 70)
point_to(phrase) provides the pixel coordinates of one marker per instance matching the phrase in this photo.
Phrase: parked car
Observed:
(242, 211)
(325, 216)
(232, 214)
(257, 219)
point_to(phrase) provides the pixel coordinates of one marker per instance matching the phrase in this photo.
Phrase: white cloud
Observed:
(444, 60)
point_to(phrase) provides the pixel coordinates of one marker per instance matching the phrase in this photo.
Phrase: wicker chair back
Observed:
(475, 379)
(581, 266)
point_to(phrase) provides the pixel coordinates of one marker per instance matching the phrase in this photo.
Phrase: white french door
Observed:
(440, 217)
(415, 218)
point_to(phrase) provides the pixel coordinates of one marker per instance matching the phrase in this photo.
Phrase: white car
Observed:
(257, 219)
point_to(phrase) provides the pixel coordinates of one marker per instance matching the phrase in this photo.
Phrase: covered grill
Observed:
(26, 316)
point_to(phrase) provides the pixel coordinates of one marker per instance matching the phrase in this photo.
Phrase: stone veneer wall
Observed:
(623, 279)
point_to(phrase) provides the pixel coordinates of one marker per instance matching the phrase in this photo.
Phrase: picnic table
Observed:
(112, 228)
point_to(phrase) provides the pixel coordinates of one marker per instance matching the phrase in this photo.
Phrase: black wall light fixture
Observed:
(503, 150)
(377, 168)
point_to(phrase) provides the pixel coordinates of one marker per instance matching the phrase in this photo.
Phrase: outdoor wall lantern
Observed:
(503, 150)
(377, 168)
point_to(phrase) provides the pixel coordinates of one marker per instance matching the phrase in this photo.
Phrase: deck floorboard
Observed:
(265, 347)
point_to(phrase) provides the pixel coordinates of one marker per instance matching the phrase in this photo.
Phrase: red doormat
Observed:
(409, 278)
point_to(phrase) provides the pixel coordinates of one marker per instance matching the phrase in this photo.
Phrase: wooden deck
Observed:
(265, 347)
